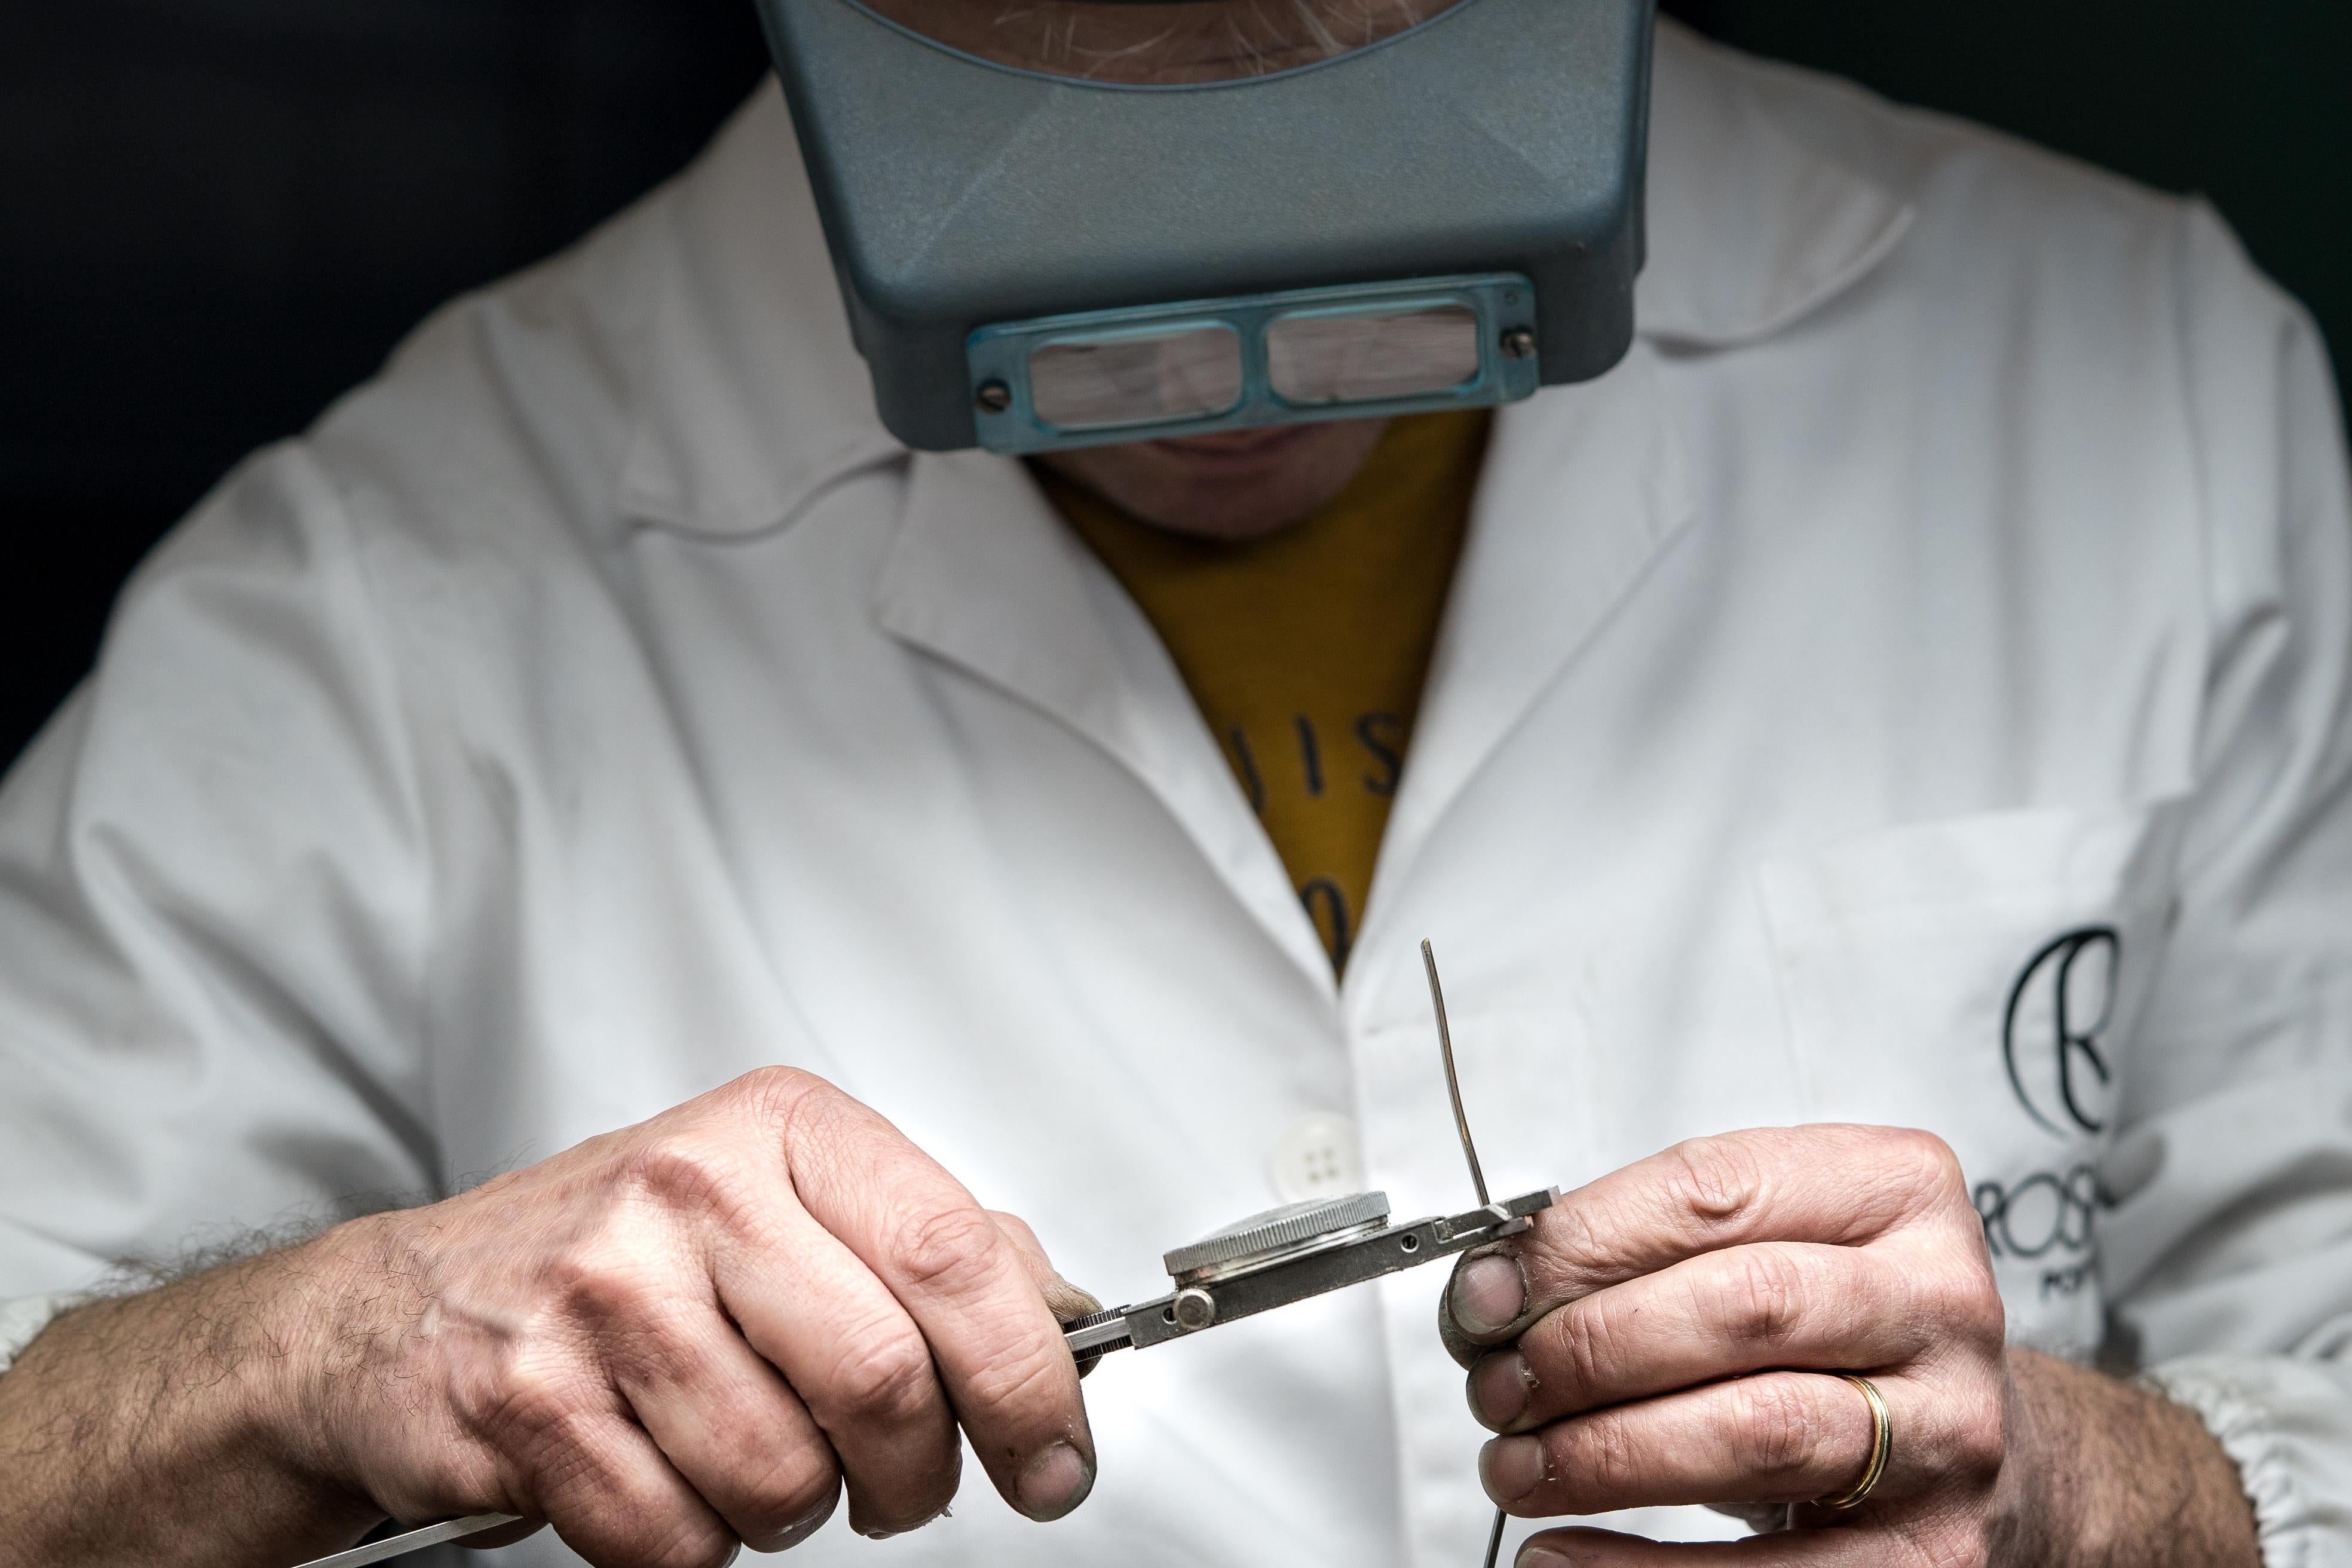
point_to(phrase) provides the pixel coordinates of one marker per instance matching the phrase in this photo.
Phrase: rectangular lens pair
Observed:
(1312, 354)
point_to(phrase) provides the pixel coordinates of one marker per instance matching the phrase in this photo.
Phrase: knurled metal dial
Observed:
(1279, 1231)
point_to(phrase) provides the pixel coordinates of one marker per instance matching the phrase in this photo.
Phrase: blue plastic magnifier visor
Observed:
(1361, 351)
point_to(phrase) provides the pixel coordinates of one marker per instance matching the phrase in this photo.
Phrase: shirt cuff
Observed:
(2287, 1424)
(22, 1320)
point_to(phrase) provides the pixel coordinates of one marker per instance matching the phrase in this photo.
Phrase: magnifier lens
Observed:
(1158, 45)
(1191, 374)
(1316, 358)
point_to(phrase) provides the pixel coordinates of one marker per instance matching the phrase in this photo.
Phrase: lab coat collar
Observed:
(754, 402)
(982, 575)
(1751, 229)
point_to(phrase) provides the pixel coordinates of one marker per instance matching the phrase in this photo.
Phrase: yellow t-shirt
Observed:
(1307, 650)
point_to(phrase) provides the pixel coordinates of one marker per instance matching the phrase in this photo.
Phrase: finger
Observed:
(611, 1497)
(1774, 1305)
(802, 1300)
(1066, 1302)
(726, 1421)
(1775, 1437)
(997, 1348)
(856, 1362)
(1833, 1185)
(1583, 1548)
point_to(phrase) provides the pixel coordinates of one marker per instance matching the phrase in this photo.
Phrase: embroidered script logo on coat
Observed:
(2050, 1034)
(2050, 1043)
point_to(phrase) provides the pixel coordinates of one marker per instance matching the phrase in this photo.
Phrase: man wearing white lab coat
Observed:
(1909, 691)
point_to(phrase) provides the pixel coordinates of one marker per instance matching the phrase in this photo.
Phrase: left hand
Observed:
(1663, 1337)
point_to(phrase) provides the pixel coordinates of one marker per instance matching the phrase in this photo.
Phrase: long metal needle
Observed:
(1495, 1542)
(414, 1540)
(1469, 1152)
(1453, 1079)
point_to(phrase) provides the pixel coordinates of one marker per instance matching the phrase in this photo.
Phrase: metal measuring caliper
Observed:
(1266, 1261)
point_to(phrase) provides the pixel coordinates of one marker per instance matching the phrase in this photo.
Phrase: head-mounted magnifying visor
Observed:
(1063, 223)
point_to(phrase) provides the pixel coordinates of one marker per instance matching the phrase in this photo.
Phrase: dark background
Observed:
(215, 215)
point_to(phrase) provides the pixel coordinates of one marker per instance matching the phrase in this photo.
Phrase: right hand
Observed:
(692, 1332)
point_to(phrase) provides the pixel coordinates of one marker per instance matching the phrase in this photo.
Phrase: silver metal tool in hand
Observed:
(1266, 1261)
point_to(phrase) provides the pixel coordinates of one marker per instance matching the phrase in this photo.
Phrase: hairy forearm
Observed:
(160, 1428)
(2130, 1478)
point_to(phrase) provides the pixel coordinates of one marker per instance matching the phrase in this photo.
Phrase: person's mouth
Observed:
(1231, 449)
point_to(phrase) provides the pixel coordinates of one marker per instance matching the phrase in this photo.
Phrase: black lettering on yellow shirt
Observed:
(1306, 651)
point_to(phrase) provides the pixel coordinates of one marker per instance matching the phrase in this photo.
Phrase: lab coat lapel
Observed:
(1582, 488)
(1751, 232)
(984, 576)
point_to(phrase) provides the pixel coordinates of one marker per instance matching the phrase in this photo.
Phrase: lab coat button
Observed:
(1320, 1157)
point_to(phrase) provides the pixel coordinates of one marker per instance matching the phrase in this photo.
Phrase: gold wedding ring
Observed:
(1882, 1448)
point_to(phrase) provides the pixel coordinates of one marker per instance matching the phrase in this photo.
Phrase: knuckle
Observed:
(607, 1280)
(1565, 1249)
(1763, 1295)
(1016, 1381)
(564, 1447)
(884, 1378)
(1928, 1160)
(539, 1404)
(775, 1094)
(1980, 1306)
(1718, 1179)
(1578, 1338)
(682, 1172)
(1607, 1458)
(1773, 1428)
(1960, 1301)
(1019, 1231)
(950, 1251)
(1979, 1444)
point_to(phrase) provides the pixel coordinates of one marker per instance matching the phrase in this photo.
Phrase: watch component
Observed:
(1277, 1233)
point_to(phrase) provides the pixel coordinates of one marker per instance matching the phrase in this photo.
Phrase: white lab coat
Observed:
(600, 704)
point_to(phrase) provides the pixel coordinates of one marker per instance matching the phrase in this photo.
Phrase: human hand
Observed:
(694, 1333)
(1663, 1337)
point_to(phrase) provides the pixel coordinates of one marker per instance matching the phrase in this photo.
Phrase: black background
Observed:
(215, 215)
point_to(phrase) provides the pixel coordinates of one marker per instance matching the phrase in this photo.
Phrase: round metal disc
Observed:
(1294, 1224)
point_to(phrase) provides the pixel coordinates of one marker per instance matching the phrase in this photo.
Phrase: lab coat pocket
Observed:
(1981, 978)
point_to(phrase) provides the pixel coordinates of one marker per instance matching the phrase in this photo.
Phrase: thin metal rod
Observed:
(1453, 1079)
(415, 1541)
(1495, 1542)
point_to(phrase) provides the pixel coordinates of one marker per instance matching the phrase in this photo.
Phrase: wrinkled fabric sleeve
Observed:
(213, 913)
(2228, 1254)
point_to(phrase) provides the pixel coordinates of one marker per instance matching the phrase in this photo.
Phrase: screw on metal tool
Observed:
(1469, 1150)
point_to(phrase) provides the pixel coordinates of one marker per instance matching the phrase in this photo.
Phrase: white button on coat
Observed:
(1320, 1156)
(1951, 583)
